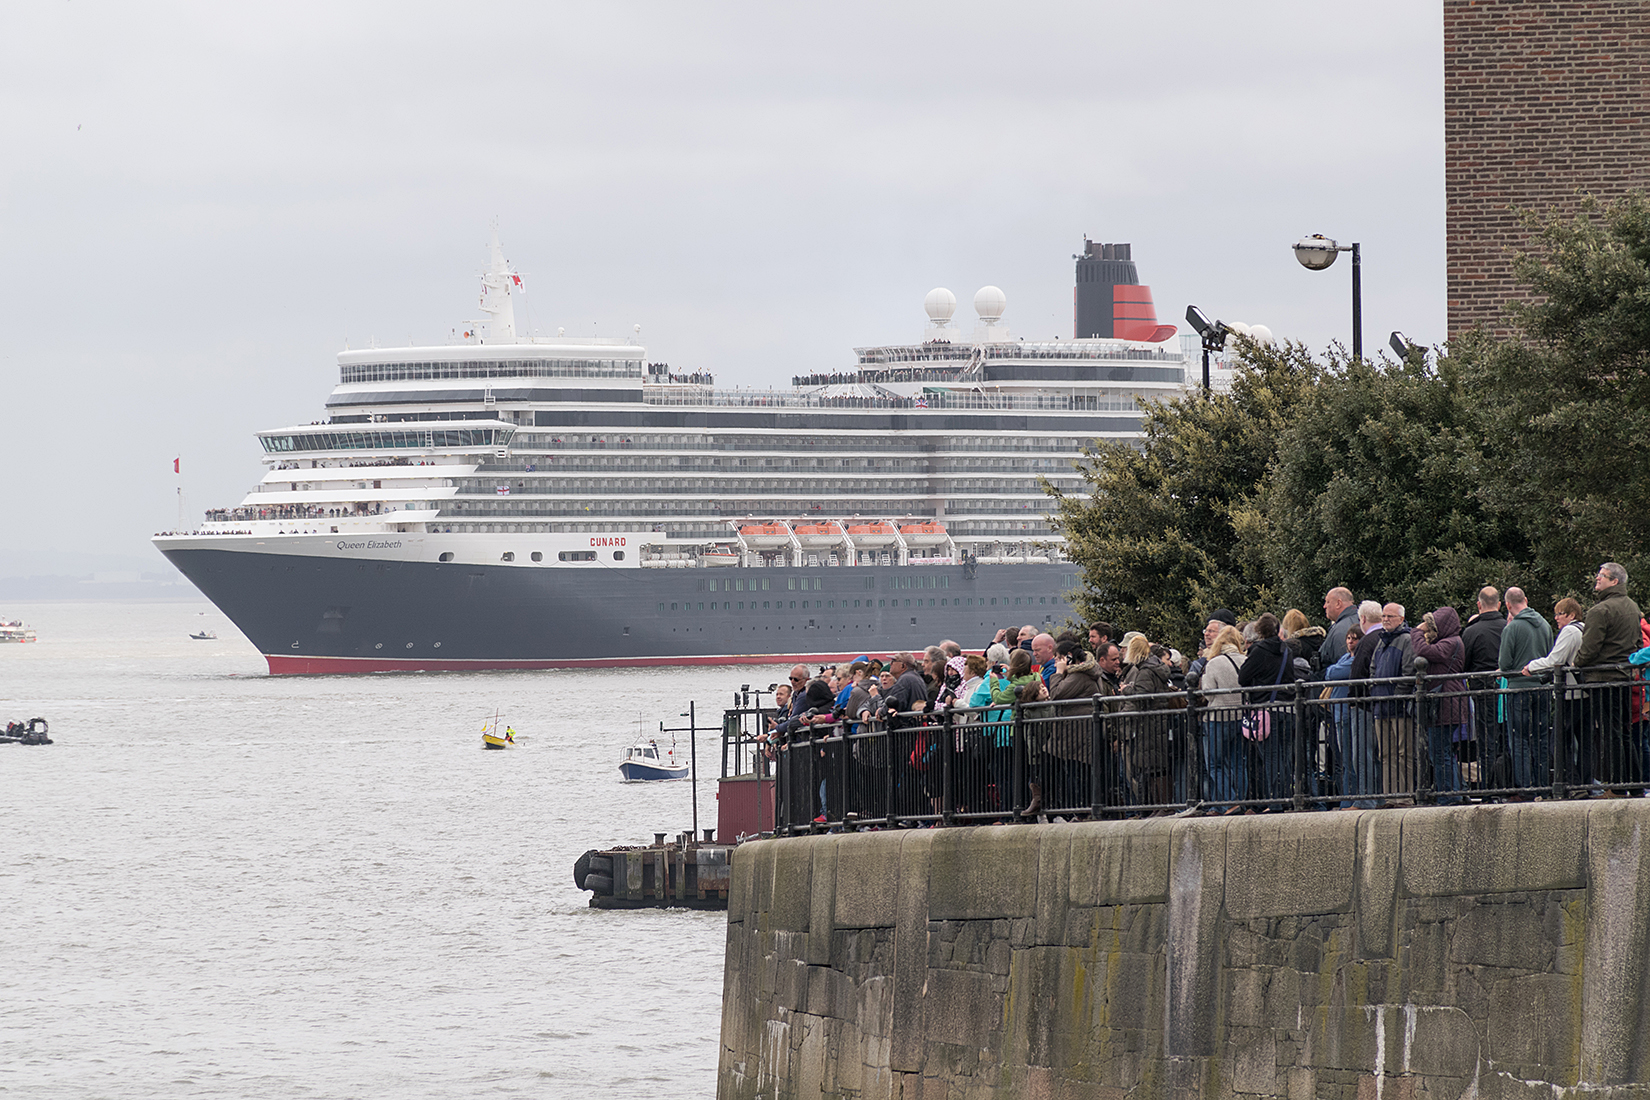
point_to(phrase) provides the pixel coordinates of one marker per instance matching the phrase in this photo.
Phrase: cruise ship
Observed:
(530, 501)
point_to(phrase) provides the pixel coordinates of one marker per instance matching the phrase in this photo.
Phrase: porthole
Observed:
(448, 556)
(509, 555)
(538, 555)
(618, 555)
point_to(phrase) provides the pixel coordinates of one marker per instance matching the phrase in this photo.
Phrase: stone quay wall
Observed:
(1471, 952)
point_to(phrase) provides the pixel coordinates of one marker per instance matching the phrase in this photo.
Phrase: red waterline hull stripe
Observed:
(283, 665)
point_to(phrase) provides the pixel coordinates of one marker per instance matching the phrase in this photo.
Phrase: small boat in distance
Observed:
(205, 636)
(15, 630)
(646, 761)
(496, 734)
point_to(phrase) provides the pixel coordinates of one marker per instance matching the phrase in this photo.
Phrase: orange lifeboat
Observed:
(765, 534)
(872, 534)
(818, 534)
(922, 534)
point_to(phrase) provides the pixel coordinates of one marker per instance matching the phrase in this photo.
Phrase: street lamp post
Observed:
(1318, 252)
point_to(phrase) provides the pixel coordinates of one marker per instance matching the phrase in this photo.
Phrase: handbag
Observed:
(1257, 724)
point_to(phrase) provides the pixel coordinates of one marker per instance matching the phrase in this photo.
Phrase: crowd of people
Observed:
(1363, 710)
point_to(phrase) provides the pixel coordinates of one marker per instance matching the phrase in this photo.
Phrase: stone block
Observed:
(1533, 1029)
(1254, 1064)
(792, 888)
(1501, 932)
(910, 949)
(822, 903)
(1615, 1006)
(1442, 1043)
(1122, 862)
(961, 1008)
(1054, 885)
(867, 879)
(1494, 849)
(1290, 864)
(1380, 839)
(1196, 885)
(984, 873)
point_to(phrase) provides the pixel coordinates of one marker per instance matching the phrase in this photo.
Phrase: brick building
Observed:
(1542, 99)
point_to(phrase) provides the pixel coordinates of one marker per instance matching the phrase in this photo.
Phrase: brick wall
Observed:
(1541, 99)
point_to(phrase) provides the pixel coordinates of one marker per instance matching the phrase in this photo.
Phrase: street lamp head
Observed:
(1316, 252)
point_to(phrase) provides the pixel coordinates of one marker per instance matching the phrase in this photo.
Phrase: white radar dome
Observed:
(989, 303)
(1260, 334)
(940, 304)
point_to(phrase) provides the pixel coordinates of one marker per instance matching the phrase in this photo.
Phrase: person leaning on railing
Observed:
(1571, 728)
(1148, 735)
(1076, 681)
(1446, 716)
(1022, 684)
(1225, 753)
(1611, 637)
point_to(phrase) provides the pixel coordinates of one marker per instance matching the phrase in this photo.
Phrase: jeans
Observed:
(1445, 774)
(1529, 737)
(1227, 759)
(1359, 765)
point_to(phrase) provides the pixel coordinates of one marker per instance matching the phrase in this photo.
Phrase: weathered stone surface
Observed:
(910, 950)
(792, 887)
(961, 1008)
(1616, 1012)
(1380, 840)
(1290, 864)
(867, 879)
(979, 874)
(1443, 981)
(1196, 874)
(822, 905)
(1117, 862)
(1494, 849)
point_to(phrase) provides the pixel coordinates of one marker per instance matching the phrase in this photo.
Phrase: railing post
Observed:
(890, 769)
(1194, 750)
(1301, 756)
(1422, 784)
(810, 783)
(948, 801)
(1557, 735)
(1020, 761)
(1096, 772)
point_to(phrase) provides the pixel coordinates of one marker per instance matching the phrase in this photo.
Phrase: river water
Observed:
(222, 883)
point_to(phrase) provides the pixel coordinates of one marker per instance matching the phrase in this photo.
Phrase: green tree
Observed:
(1371, 489)
(1157, 531)
(1564, 406)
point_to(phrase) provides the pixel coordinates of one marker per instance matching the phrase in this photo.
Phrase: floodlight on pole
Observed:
(1213, 334)
(1316, 253)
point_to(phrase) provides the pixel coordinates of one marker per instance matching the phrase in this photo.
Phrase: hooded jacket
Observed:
(1445, 657)
(1525, 638)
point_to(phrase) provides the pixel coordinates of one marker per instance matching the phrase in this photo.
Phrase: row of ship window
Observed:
(538, 555)
(946, 444)
(823, 605)
(902, 506)
(495, 368)
(900, 580)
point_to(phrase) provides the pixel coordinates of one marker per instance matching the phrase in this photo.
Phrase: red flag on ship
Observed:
(175, 466)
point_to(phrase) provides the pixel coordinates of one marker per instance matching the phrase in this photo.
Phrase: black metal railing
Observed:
(1416, 740)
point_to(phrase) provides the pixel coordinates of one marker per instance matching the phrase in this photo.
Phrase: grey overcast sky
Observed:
(200, 202)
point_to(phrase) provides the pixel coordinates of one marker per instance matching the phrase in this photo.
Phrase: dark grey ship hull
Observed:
(323, 615)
